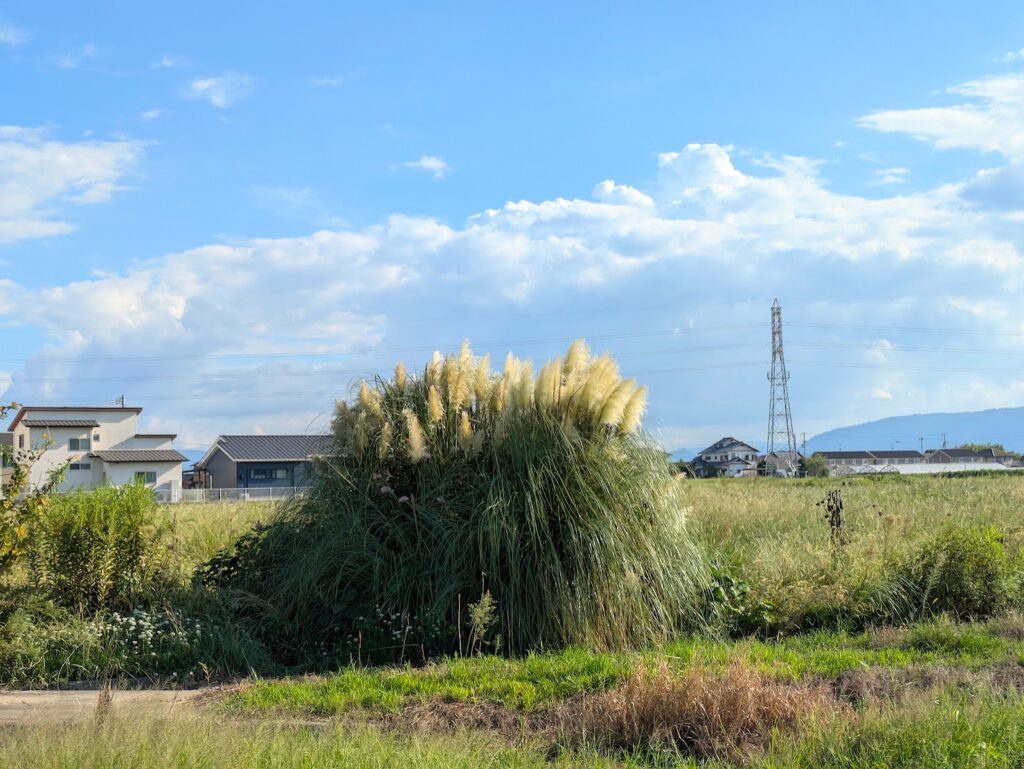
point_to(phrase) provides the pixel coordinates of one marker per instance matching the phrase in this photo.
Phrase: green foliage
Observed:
(533, 682)
(482, 617)
(815, 466)
(438, 489)
(961, 571)
(732, 605)
(47, 645)
(20, 504)
(99, 549)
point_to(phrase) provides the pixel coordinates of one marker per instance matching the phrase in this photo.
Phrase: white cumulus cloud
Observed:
(991, 118)
(40, 177)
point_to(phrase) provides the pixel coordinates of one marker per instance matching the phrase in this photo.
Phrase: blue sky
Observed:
(322, 191)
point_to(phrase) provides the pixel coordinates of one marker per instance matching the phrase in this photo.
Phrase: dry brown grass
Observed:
(1009, 626)
(878, 685)
(727, 715)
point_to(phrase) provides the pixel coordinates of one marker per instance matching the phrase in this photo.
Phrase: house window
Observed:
(80, 466)
(95, 437)
(78, 444)
(21, 441)
(148, 477)
(270, 474)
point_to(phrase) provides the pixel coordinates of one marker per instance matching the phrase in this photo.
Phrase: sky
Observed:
(231, 213)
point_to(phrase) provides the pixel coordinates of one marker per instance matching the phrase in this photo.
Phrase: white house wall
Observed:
(116, 430)
(168, 474)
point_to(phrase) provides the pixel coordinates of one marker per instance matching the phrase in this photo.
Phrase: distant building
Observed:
(260, 461)
(727, 457)
(842, 459)
(776, 464)
(909, 462)
(99, 445)
(968, 456)
(898, 457)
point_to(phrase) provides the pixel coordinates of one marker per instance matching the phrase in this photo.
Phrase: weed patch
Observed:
(709, 715)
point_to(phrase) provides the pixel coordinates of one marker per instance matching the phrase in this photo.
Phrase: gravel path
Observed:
(33, 707)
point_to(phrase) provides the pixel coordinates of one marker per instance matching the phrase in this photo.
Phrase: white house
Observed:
(102, 445)
(728, 457)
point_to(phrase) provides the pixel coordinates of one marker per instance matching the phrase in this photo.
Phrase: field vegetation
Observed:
(445, 597)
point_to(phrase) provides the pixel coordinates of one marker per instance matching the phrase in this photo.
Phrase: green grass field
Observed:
(932, 691)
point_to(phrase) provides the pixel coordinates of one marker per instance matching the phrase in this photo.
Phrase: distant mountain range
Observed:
(1005, 426)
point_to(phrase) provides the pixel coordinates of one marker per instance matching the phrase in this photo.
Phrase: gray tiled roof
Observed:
(274, 448)
(60, 423)
(139, 455)
(956, 453)
(898, 454)
(727, 444)
(846, 454)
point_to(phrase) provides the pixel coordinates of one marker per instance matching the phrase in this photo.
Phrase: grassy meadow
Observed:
(816, 652)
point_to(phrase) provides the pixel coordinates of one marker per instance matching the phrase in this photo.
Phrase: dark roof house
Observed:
(260, 461)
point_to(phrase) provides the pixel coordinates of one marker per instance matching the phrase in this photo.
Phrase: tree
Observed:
(998, 447)
(815, 466)
(20, 503)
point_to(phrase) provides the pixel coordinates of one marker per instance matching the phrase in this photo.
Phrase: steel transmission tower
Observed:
(781, 439)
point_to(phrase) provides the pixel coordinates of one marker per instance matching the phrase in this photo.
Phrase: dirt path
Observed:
(33, 707)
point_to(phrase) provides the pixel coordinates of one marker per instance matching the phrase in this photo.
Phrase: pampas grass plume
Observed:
(417, 442)
(615, 405)
(482, 380)
(602, 377)
(465, 432)
(634, 411)
(524, 390)
(384, 440)
(576, 358)
(361, 434)
(544, 392)
(435, 411)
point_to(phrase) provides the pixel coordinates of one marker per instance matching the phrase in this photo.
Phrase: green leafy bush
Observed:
(540, 491)
(99, 549)
(732, 606)
(962, 571)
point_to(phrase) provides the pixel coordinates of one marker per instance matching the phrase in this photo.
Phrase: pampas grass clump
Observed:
(541, 491)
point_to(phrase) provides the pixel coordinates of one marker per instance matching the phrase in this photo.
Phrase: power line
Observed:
(311, 372)
(379, 350)
(907, 348)
(909, 329)
(391, 318)
(335, 393)
(888, 367)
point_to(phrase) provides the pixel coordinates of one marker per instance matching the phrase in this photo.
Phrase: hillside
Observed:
(1005, 426)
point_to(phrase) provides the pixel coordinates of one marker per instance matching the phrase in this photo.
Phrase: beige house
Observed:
(100, 444)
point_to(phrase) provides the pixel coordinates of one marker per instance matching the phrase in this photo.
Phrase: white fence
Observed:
(230, 495)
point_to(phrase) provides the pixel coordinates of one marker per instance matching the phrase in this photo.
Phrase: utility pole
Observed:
(943, 440)
(921, 440)
(803, 444)
(781, 439)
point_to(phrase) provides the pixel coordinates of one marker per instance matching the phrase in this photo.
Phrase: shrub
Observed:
(21, 503)
(732, 607)
(98, 549)
(540, 491)
(963, 571)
